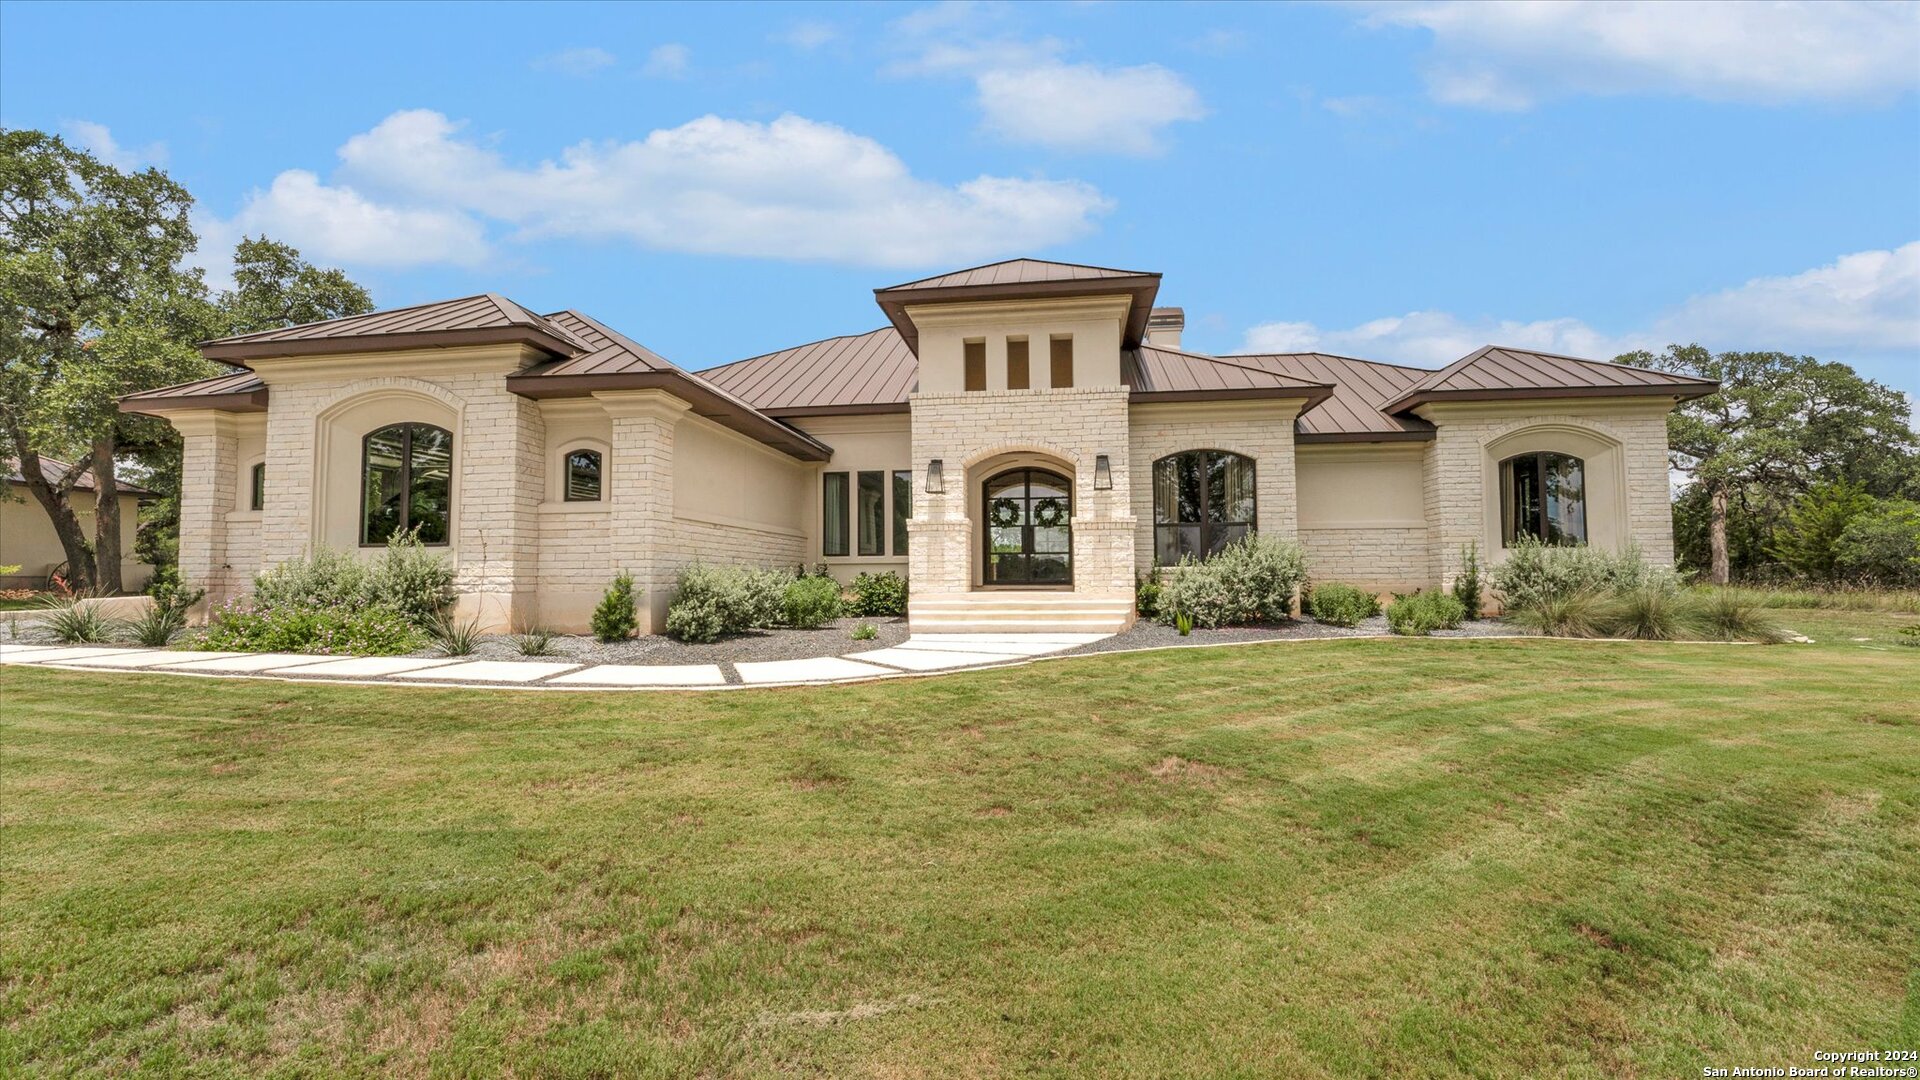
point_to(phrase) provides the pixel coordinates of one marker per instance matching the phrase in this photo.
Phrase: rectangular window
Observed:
(1062, 357)
(902, 509)
(258, 499)
(1017, 364)
(872, 515)
(833, 513)
(976, 373)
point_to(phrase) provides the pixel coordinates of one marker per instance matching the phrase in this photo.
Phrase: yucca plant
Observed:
(71, 621)
(1648, 613)
(454, 637)
(1569, 614)
(157, 626)
(1727, 615)
(535, 642)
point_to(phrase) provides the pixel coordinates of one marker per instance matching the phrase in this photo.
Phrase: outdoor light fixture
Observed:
(935, 485)
(1102, 473)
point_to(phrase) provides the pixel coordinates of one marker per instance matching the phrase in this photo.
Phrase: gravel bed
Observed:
(1153, 635)
(833, 639)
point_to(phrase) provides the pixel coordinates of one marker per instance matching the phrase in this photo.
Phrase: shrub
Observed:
(454, 637)
(1467, 586)
(697, 619)
(1729, 616)
(864, 632)
(1147, 596)
(325, 580)
(1339, 604)
(1645, 614)
(405, 578)
(1882, 546)
(1251, 580)
(167, 616)
(613, 618)
(716, 600)
(880, 595)
(535, 642)
(72, 621)
(1534, 572)
(368, 632)
(1424, 612)
(1565, 614)
(411, 580)
(811, 602)
(1808, 540)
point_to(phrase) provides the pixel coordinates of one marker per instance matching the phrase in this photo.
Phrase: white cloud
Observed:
(669, 61)
(338, 224)
(1029, 94)
(790, 189)
(808, 36)
(578, 62)
(98, 140)
(1508, 54)
(1864, 302)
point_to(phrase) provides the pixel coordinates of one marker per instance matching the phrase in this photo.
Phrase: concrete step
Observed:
(1032, 613)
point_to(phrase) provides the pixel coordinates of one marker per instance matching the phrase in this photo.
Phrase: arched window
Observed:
(1543, 495)
(1203, 500)
(406, 483)
(583, 476)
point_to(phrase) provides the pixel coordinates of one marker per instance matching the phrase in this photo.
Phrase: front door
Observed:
(1029, 528)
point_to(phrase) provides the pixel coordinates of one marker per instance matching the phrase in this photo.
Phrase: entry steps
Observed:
(1019, 611)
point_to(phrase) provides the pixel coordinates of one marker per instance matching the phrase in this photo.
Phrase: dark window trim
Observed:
(1206, 527)
(870, 543)
(826, 514)
(1509, 528)
(599, 475)
(902, 479)
(407, 428)
(1027, 473)
(257, 486)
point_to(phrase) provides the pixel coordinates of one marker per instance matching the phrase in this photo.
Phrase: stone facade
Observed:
(1261, 430)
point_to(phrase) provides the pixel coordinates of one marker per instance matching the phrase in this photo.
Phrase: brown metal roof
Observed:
(870, 372)
(609, 351)
(1361, 389)
(472, 320)
(1158, 374)
(55, 471)
(1497, 372)
(236, 391)
(1022, 279)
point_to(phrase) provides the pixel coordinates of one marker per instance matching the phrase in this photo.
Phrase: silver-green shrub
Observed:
(1535, 573)
(1252, 580)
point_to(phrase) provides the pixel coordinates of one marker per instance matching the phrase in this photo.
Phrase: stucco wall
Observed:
(27, 538)
(1261, 430)
(1363, 514)
(875, 443)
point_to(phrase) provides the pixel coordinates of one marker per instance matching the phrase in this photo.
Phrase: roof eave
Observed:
(1677, 391)
(250, 401)
(242, 351)
(706, 401)
(1318, 437)
(1139, 288)
(1311, 395)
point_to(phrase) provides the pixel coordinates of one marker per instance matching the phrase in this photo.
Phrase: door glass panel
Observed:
(1028, 531)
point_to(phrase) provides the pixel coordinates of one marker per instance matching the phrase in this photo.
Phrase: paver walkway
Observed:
(918, 654)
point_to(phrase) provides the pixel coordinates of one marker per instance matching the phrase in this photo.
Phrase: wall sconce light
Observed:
(1102, 473)
(935, 484)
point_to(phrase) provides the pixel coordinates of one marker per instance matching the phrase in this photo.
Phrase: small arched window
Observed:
(583, 476)
(406, 483)
(1543, 495)
(1203, 500)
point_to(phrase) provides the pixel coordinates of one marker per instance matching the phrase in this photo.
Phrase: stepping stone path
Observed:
(918, 654)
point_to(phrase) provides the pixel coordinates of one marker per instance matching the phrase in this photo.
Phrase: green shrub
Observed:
(1566, 614)
(1424, 612)
(326, 580)
(1467, 586)
(1726, 615)
(864, 632)
(405, 578)
(1882, 546)
(72, 621)
(697, 619)
(613, 618)
(1339, 604)
(811, 602)
(332, 631)
(1251, 580)
(1534, 572)
(411, 580)
(716, 600)
(454, 637)
(535, 642)
(880, 595)
(1645, 614)
(1808, 541)
(1147, 596)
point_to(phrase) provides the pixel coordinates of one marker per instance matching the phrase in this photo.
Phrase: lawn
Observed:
(1337, 858)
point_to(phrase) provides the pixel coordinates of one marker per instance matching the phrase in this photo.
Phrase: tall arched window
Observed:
(406, 483)
(583, 476)
(1543, 495)
(1203, 500)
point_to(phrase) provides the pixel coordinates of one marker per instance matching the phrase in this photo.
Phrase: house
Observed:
(1022, 440)
(27, 539)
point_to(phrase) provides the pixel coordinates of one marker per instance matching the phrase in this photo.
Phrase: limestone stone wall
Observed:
(1376, 559)
(1261, 430)
(209, 478)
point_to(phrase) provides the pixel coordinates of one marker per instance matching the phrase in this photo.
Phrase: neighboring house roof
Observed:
(1162, 374)
(487, 319)
(1022, 279)
(1496, 373)
(54, 471)
(870, 372)
(1356, 411)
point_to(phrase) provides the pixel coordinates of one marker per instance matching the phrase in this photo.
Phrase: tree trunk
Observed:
(1717, 535)
(66, 524)
(106, 519)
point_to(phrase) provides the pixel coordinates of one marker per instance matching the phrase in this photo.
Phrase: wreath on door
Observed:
(1050, 513)
(1004, 513)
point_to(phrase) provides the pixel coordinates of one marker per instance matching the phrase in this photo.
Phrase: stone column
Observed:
(209, 478)
(501, 481)
(1455, 498)
(641, 490)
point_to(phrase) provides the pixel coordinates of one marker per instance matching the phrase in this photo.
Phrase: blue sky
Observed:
(1397, 181)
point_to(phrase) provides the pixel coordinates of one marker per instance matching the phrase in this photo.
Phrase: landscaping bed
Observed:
(833, 639)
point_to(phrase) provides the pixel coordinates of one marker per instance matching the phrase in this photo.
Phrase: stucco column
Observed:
(641, 478)
(209, 475)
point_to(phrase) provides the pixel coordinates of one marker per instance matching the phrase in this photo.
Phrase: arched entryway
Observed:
(1027, 521)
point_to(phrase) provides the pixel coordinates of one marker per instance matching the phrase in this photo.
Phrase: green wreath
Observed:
(1049, 513)
(1004, 513)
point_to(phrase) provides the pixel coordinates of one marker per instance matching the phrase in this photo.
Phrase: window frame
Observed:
(1207, 528)
(257, 487)
(870, 543)
(827, 507)
(902, 507)
(406, 522)
(599, 474)
(1542, 522)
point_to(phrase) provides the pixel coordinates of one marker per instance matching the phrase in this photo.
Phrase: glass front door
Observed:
(1029, 528)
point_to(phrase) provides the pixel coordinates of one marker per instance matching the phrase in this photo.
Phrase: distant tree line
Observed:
(96, 301)
(1797, 469)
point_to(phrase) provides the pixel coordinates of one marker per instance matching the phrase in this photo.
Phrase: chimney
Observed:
(1164, 325)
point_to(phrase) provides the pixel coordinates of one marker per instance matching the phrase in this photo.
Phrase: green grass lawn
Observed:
(1344, 858)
